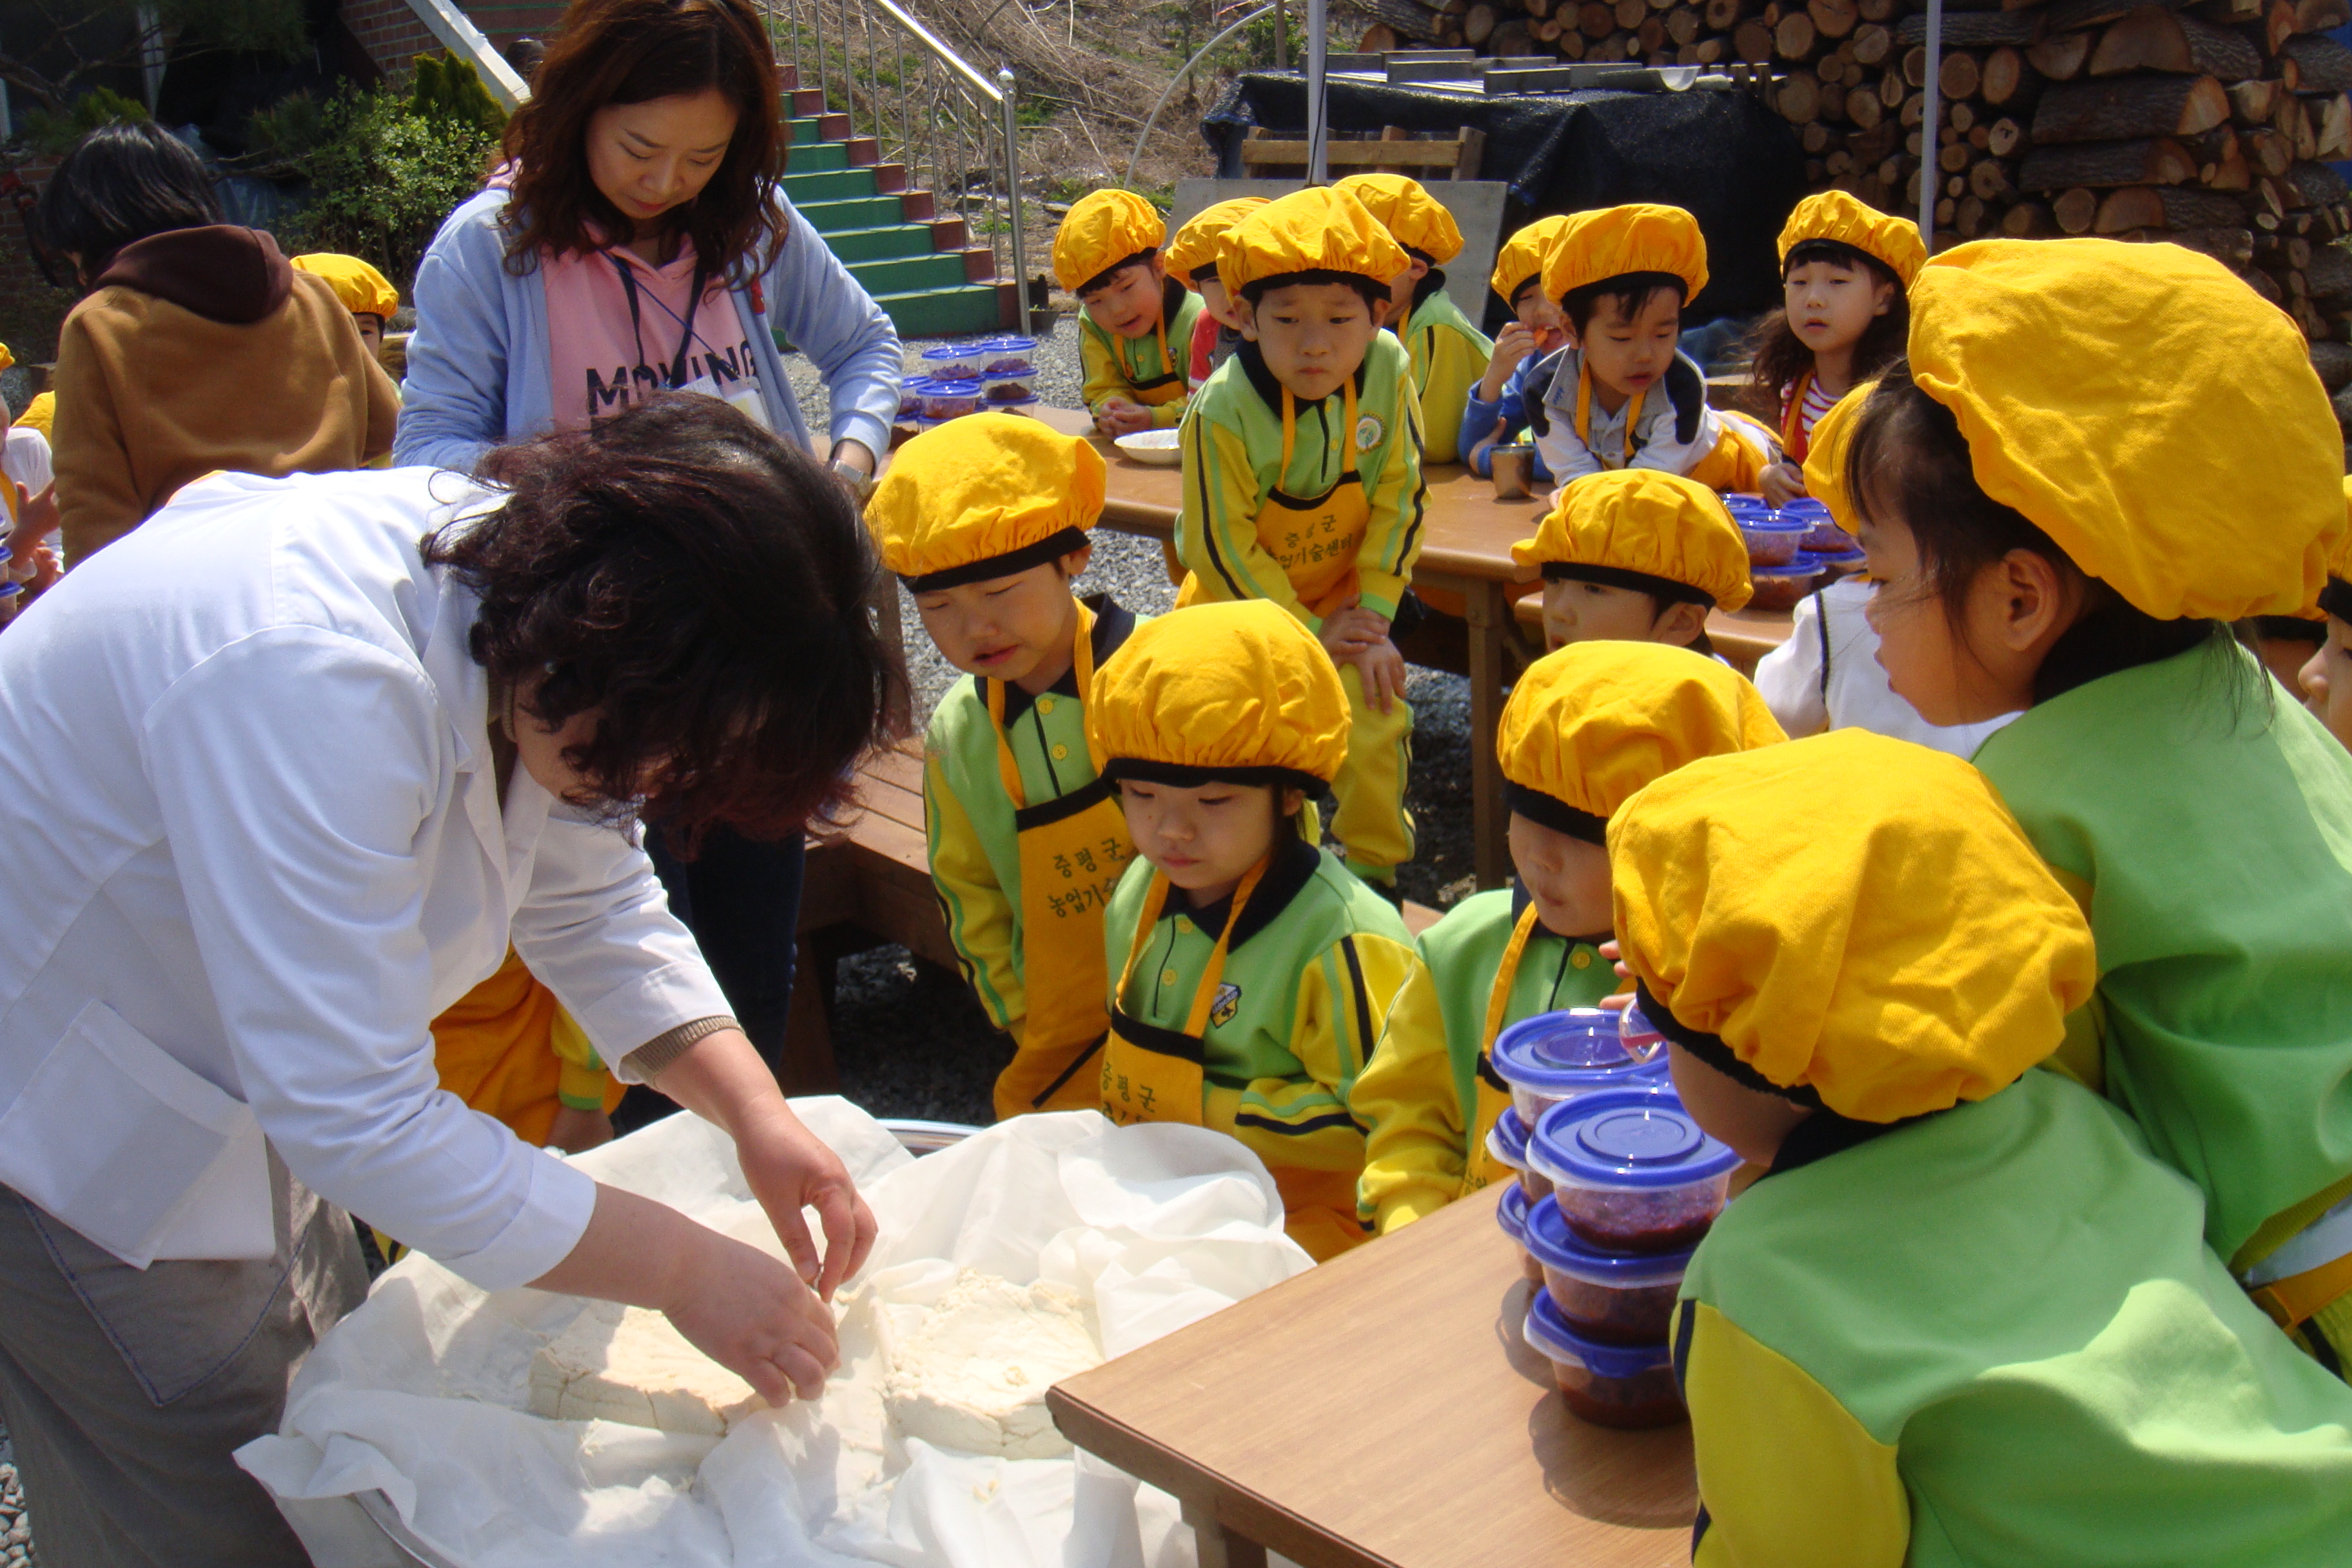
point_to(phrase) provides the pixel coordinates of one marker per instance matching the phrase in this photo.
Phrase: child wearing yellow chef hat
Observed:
(1253, 970)
(1496, 412)
(1844, 267)
(366, 293)
(1636, 554)
(1192, 261)
(1585, 728)
(1448, 352)
(984, 520)
(1302, 481)
(1623, 395)
(2097, 456)
(1107, 252)
(1963, 1316)
(2326, 680)
(1826, 675)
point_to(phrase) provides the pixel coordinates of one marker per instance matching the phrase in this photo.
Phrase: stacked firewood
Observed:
(2211, 125)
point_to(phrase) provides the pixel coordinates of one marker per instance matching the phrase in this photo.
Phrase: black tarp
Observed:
(1732, 163)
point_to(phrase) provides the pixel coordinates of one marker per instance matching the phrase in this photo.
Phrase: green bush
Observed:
(450, 89)
(384, 176)
(56, 133)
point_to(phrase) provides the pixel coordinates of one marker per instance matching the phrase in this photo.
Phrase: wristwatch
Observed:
(860, 482)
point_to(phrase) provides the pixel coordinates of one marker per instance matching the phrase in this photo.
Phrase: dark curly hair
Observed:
(701, 586)
(1781, 356)
(120, 183)
(634, 51)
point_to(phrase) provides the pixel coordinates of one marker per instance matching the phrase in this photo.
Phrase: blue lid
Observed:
(950, 351)
(1841, 557)
(1548, 1331)
(1637, 1136)
(1771, 523)
(1741, 501)
(1809, 508)
(1008, 344)
(954, 389)
(1799, 570)
(1511, 1213)
(1574, 1049)
(1508, 1140)
(1544, 1230)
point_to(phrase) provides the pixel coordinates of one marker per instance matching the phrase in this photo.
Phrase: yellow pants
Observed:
(1371, 821)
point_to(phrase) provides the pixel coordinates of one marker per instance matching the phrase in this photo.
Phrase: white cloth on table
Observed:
(255, 847)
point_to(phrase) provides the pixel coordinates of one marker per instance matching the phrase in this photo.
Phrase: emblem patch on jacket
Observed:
(1369, 431)
(1227, 1003)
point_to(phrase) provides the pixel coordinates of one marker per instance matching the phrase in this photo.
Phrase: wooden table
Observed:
(1466, 551)
(1382, 1412)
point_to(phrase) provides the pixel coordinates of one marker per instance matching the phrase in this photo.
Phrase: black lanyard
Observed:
(636, 323)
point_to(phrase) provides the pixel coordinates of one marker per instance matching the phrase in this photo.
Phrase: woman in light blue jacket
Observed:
(644, 244)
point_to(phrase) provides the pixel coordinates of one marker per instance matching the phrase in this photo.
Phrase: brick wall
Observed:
(392, 36)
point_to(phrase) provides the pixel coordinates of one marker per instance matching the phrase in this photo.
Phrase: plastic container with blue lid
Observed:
(1506, 1141)
(1010, 388)
(1743, 503)
(1616, 1297)
(1024, 406)
(1511, 1213)
(1609, 1385)
(1839, 561)
(1007, 355)
(910, 395)
(1631, 1170)
(1773, 537)
(1642, 1040)
(1780, 588)
(951, 399)
(1556, 1056)
(954, 362)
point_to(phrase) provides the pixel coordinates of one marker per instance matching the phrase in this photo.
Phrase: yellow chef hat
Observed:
(2142, 407)
(37, 414)
(984, 496)
(1320, 230)
(1643, 529)
(1414, 218)
(1521, 259)
(1194, 248)
(1587, 727)
(1102, 229)
(362, 289)
(1906, 951)
(1849, 220)
(1826, 455)
(1594, 247)
(1237, 690)
(6, 359)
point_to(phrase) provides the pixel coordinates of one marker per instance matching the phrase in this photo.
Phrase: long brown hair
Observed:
(1781, 356)
(633, 51)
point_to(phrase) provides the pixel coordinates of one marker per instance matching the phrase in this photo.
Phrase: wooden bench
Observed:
(869, 887)
(1395, 151)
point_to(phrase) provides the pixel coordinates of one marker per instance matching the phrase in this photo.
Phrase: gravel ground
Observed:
(910, 1039)
(15, 1529)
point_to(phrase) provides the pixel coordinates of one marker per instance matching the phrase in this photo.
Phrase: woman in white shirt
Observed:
(283, 774)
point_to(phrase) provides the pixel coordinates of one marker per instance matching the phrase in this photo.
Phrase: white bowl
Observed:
(1154, 447)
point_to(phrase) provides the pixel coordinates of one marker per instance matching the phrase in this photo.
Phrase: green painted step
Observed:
(808, 190)
(856, 213)
(806, 129)
(815, 157)
(942, 312)
(936, 270)
(885, 243)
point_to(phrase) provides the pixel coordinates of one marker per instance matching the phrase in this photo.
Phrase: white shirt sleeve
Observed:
(1789, 676)
(297, 769)
(25, 458)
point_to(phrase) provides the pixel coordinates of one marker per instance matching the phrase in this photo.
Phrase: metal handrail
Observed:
(956, 131)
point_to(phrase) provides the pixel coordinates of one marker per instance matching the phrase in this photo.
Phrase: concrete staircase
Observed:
(920, 268)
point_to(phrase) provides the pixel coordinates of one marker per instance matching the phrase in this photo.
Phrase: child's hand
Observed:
(1349, 629)
(1119, 417)
(1782, 483)
(577, 1132)
(1616, 956)
(1382, 669)
(1515, 344)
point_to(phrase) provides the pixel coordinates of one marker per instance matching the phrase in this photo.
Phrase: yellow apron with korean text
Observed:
(1073, 851)
(1161, 390)
(1316, 541)
(1152, 1074)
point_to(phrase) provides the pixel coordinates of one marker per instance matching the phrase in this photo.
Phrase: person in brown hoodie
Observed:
(197, 348)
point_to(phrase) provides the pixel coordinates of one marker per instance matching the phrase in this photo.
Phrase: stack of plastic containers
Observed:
(1634, 1186)
(1790, 548)
(998, 374)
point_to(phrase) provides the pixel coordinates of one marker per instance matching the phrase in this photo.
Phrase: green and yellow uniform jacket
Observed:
(1449, 357)
(973, 832)
(1308, 974)
(1418, 1099)
(1304, 504)
(1150, 371)
(1994, 1335)
(2204, 823)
